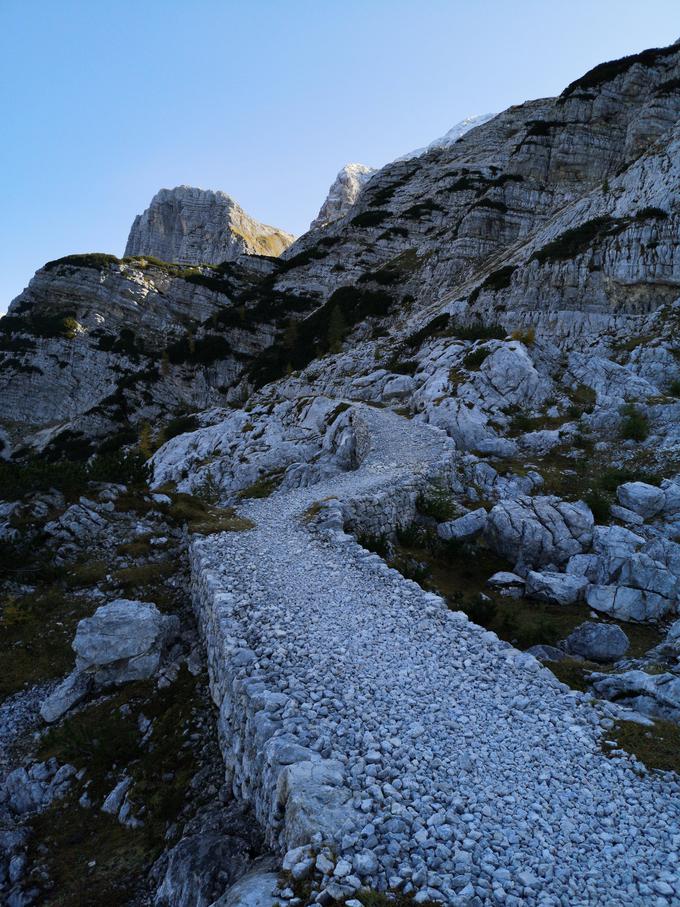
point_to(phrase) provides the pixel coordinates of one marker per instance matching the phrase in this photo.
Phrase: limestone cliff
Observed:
(197, 226)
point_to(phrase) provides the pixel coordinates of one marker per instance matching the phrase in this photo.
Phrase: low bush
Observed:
(96, 260)
(370, 218)
(605, 72)
(475, 358)
(527, 336)
(436, 503)
(634, 423)
(378, 544)
(600, 506)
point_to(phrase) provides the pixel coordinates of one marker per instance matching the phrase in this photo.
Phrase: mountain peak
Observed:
(343, 193)
(194, 226)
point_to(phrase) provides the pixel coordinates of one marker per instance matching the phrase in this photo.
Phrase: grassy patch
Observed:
(264, 486)
(656, 747)
(105, 739)
(206, 519)
(35, 637)
(142, 576)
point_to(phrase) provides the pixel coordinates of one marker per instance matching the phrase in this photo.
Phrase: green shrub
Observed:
(651, 212)
(576, 240)
(402, 366)
(378, 544)
(422, 209)
(477, 330)
(474, 359)
(312, 337)
(600, 506)
(180, 425)
(370, 218)
(436, 503)
(96, 260)
(434, 328)
(500, 279)
(634, 424)
(674, 388)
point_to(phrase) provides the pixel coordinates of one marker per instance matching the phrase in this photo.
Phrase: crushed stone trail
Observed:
(474, 776)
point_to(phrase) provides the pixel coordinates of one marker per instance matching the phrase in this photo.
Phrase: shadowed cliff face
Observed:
(559, 214)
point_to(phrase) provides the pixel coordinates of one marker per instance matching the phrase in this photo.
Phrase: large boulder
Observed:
(532, 531)
(557, 588)
(643, 499)
(625, 603)
(597, 642)
(123, 641)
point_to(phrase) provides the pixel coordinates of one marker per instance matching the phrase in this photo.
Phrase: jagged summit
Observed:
(343, 193)
(199, 226)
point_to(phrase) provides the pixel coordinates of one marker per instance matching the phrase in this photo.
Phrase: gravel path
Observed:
(476, 777)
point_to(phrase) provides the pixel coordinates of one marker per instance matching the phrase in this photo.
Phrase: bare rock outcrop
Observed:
(343, 193)
(197, 226)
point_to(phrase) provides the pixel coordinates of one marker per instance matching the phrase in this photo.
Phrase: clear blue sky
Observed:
(105, 101)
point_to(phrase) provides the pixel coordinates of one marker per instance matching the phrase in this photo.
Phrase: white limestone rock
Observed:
(643, 499)
(197, 226)
(70, 692)
(342, 194)
(255, 889)
(625, 603)
(651, 694)
(123, 641)
(465, 527)
(539, 530)
(557, 588)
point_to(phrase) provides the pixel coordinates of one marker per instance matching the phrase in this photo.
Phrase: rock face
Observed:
(95, 344)
(199, 227)
(343, 193)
